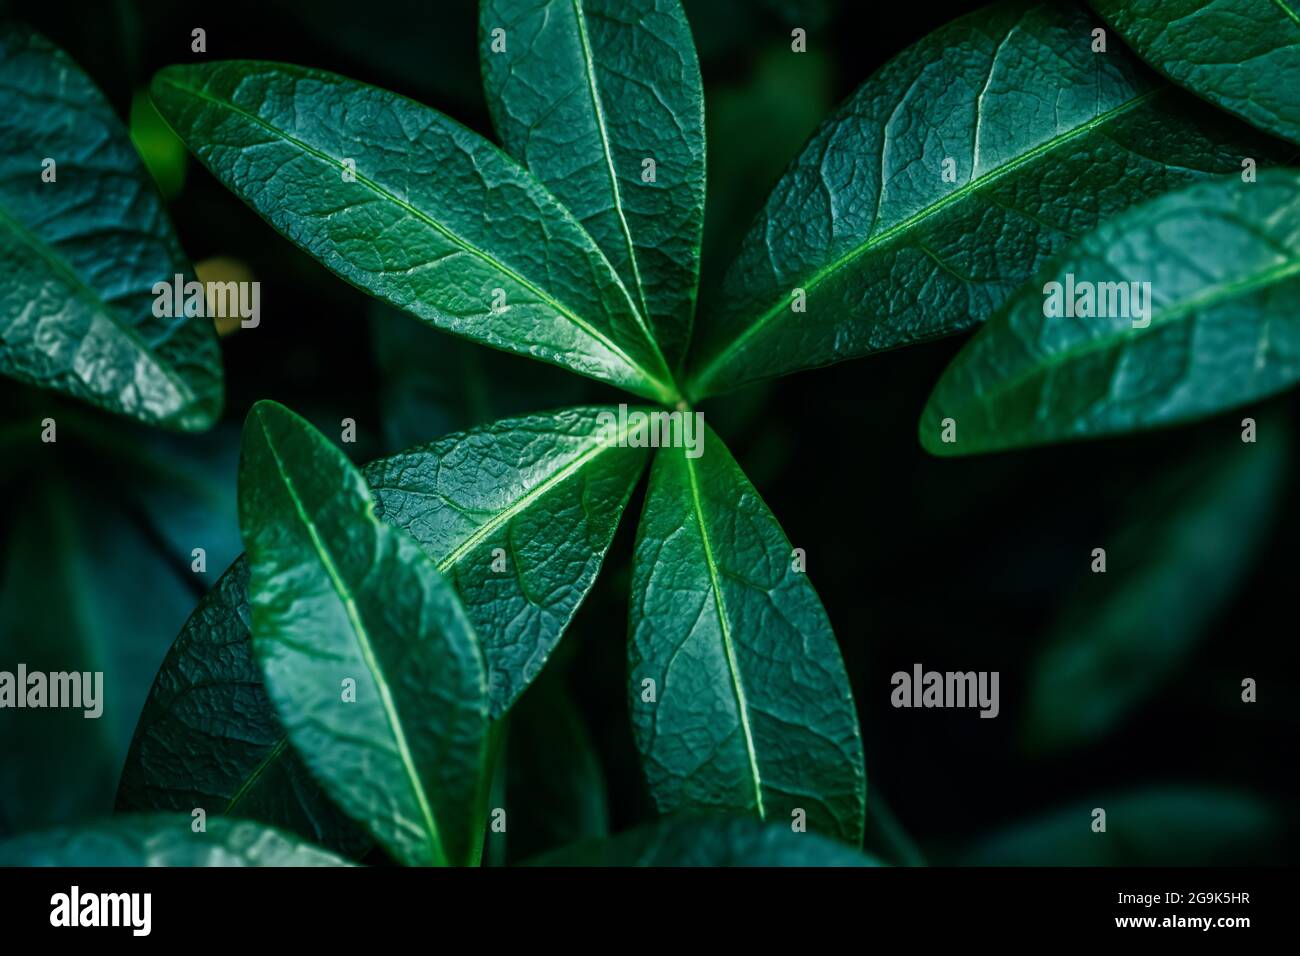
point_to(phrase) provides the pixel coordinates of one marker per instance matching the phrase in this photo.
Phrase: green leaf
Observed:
(708, 841)
(555, 788)
(1046, 139)
(1221, 264)
(209, 737)
(76, 566)
(1242, 55)
(553, 505)
(369, 659)
(1172, 566)
(584, 92)
(82, 253)
(518, 515)
(752, 710)
(163, 840)
(435, 220)
(1165, 826)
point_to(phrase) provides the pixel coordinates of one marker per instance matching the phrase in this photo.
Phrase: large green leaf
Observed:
(552, 507)
(1045, 139)
(209, 739)
(752, 710)
(1243, 55)
(708, 841)
(1173, 564)
(1221, 261)
(373, 667)
(518, 515)
(435, 219)
(81, 254)
(583, 93)
(1165, 826)
(160, 839)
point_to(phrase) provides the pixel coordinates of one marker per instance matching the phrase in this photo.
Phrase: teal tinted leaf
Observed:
(369, 659)
(160, 839)
(1172, 567)
(584, 92)
(82, 253)
(753, 713)
(554, 505)
(1045, 138)
(209, 737)
(539, 497)
(1221, 264)
(76, 562)
(435, 220)
(1166, 826)
(708, 841)
(1242, 55)
(555, 788)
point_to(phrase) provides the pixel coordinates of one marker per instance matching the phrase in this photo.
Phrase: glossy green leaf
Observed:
(434, 220)
(82, 253)
(752, 711)
(373, 667)
(1242, 55)
(583, 93)
(1218, 268)
(1041, 139)
(160, 839)
(518, 515)
(708, 841)
(1173, 564)
(209, 737)
(554, 504)
(1165, 826)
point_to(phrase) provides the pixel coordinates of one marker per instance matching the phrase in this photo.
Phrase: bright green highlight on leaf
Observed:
(584, 93)
(944, 182)
(373, 667)
(739, 698)
(417, 210)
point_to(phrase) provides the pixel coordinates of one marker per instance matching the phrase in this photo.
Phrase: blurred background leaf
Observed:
(1173, 561)
(1159, 826)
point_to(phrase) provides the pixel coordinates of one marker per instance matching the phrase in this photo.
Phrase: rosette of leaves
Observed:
(1003, 148)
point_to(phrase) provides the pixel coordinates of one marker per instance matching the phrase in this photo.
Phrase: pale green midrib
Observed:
(93, 298)
(367, 654)
(480, 254)
(709, 372)
(254, 774)
(741, 704)
(485, 530)
(1288, 11)
(598, 107)
(1211, 296)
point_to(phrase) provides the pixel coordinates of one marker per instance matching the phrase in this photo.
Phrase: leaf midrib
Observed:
(367, 651)
(700, 382)
(598, 108)
(720, 604)
(662, 387)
